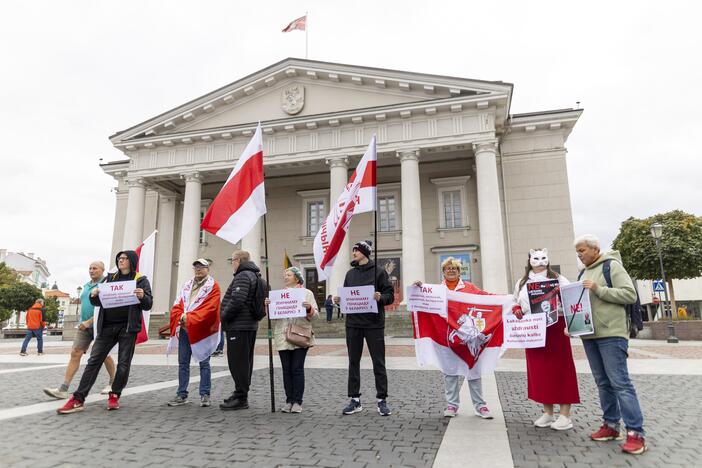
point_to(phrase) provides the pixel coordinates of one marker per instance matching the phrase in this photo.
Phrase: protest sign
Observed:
(118, 294)
(577, 310)
(529, 332)
(358, 300)
(543, 299)
(286, 303)
(429, 298)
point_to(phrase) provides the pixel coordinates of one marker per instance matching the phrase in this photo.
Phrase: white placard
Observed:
(529, 332)
(577, 310)
(118, 294)
(286, 303)
(427, 298)
(358, 300)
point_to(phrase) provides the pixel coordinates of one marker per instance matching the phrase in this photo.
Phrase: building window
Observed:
(387, 213)
(453, 214)
(204, 206)
(315, 216)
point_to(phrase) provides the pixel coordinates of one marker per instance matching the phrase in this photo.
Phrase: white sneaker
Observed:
(545, 420)
(483, 412)
(106, 391)
(450, 411)
(296, 408)
(563, 423)
(287, 408)
(56, 393)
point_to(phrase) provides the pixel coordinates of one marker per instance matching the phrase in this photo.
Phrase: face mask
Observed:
(538, 258)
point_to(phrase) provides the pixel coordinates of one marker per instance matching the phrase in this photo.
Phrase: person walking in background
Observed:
(84, 336)
(551, 377)
(293, 349)
(329, 306)
(35, 327)
(607, 348)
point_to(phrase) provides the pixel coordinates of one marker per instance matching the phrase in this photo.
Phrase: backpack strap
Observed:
(607, 272)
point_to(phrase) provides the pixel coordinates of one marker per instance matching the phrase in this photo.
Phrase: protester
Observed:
(195, 327)
(115, 325)
(292, 355)
(329, 306)
(84, 336)
(451, 269)
(607, 348)
(369, 326)
(551, 377)
(240, 324)
(35, 327)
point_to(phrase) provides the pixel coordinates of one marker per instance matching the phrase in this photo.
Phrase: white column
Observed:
(161, 284)
(190, 228)
(412, 230)
(338, 178)
(251, 242)
(492, 236)
(134, 218)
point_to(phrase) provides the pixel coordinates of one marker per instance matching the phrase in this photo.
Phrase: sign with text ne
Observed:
(118, 294)
(286, 303)
(427, 298)
(358, 300)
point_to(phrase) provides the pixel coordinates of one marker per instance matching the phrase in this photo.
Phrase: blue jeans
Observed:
(607, 358)
(39, 334)
(220, 346)
(184, 356)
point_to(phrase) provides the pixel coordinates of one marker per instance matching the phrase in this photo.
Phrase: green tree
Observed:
(8, 277)
(52, 310)
(18, 296)
(681, 248)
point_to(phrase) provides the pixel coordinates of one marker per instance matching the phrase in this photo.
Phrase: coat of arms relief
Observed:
(293, 99)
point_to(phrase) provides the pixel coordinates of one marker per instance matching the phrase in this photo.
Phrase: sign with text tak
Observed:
(118, 294)
(429, 298)
(287, 303)
(358, 300)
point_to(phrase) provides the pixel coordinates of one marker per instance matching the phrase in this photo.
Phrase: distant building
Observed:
(687, 293)
(64, 301)
(32, 270)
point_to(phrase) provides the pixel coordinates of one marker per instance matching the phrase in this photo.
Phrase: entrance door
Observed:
(318, 288)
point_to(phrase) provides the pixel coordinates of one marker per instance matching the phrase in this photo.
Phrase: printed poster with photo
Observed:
(465, 260)
(577, 310)
(392, 268)
(543, 299)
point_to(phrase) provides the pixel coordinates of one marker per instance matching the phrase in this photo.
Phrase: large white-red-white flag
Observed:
(242, 200)
(299, 24)
(357, 197)
(468, 340)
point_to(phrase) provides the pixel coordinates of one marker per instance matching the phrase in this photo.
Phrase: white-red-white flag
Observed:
(468, 340)
(357, 197)
(299, 24)
(242, 200)
(145, 266)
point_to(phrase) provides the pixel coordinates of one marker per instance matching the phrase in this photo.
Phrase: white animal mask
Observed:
(538, 257)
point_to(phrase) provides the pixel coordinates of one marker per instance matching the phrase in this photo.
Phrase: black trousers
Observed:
(240, 358)
(110, 336)
(375, 339)
(293, 363)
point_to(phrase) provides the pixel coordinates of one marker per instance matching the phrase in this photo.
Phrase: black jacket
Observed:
(362, 275)
(133, 312)
(237, 304)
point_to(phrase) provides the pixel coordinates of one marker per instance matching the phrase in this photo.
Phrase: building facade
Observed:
(30, 268)
(458, 175)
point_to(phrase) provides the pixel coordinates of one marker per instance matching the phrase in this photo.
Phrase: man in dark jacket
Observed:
(240, 325)
(370, 326)
(115, 325)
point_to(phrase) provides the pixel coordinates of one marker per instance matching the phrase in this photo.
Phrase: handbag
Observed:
(298, 336)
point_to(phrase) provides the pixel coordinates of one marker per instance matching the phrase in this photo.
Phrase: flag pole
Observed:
(307, 27)
(270, 333)
(375, 250)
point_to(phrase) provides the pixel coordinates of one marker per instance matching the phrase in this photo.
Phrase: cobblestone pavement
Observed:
(671, 421)
(146, 432)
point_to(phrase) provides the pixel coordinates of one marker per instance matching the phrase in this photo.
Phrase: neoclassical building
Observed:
(458, 174)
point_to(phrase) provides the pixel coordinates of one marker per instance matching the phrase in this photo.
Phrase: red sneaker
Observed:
(606, 433)
(71, 406)
(635, 444)
(113, 402)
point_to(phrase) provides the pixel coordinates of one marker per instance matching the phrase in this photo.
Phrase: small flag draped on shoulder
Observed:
(357, 197)
(300, 24)
(242, 200)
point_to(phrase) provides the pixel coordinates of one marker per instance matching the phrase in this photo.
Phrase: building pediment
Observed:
(302, 89)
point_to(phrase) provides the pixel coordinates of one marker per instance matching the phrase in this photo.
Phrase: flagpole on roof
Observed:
(307, 28)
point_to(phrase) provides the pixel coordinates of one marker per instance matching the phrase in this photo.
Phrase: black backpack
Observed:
(633, 310)
(259, 296)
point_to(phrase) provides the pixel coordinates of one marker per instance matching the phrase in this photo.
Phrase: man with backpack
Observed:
(610, 290)
(242, 309)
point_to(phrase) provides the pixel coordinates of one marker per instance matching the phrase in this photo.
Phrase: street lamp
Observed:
(657, 233)
(79, 290)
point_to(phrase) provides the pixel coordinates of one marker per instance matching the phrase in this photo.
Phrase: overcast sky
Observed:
(74, 72)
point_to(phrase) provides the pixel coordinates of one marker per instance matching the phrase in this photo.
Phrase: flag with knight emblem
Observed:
(468, 339)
